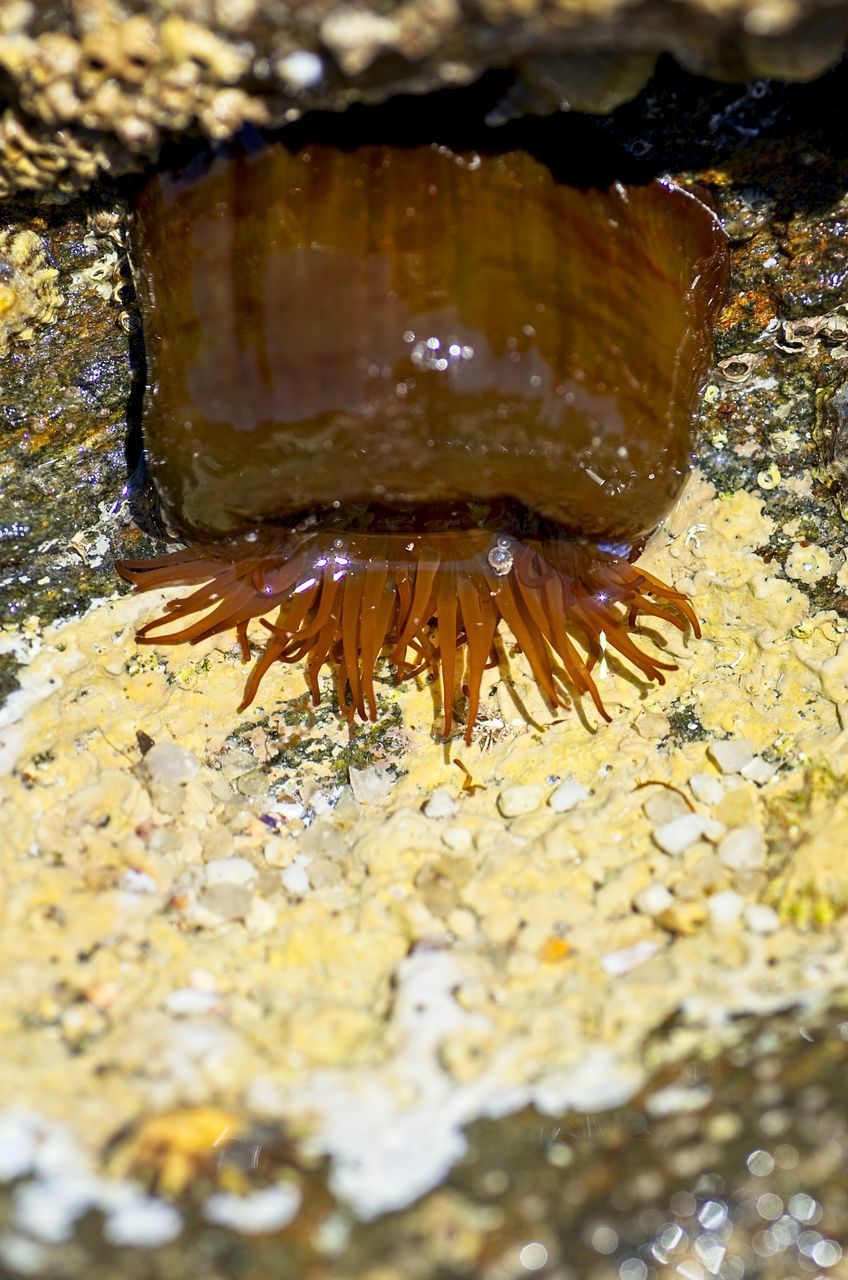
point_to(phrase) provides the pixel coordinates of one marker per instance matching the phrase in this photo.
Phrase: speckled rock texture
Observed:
(93, 86)
(237, 943)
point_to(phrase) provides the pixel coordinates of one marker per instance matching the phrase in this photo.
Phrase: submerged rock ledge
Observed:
(93, 86)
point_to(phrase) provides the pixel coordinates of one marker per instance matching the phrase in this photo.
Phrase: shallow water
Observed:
(260, 924)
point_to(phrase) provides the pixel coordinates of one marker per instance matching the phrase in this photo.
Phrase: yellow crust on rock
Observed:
(125, 886)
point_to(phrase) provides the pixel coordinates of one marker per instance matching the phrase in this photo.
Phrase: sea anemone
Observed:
(399, 395)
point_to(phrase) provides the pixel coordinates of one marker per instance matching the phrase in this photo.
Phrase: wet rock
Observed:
(91, 92)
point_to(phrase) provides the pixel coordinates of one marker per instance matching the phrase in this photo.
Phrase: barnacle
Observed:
(28, 293)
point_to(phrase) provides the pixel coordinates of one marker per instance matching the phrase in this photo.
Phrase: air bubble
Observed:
(500, 557)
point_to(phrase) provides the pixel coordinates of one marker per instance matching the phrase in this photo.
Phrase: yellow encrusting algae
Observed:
(220, 911)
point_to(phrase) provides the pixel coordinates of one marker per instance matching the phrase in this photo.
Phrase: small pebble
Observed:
(289, 810)
(22, 1256)
(653, 900)
(714, 830)
(676, 1099)
(652, 726)
(725, 908)
(706, 788)
(743, 849)
(269, 1209)
(300, 69)
(566, 796)
(229, 871)
(348, 809)
(738, 806)
(708, 875)
(683, 917)
(187, 1002)
(759, 771)
(371, 785)
(733, 755)
(761, 918)
(19, 1138)
(133, 881)
(143, 1223)
(226, 901)
(676, 836)
(664, 806)
(441, 804)
(295, 880)
(462, 922)
(518, 800)
(262, 916)
(617, 963)
(321, 803)
(167, 762)
(277, 852)
(459, 839)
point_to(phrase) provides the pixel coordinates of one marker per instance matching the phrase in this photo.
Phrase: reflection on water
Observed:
(733, 1169)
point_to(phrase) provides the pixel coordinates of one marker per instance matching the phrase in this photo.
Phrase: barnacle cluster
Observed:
(28, 293)
(93, 84)
(111, 88)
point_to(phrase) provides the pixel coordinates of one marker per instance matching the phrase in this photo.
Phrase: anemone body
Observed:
(397, 396)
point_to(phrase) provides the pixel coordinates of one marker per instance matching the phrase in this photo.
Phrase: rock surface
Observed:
(217, 931)
(95, 86)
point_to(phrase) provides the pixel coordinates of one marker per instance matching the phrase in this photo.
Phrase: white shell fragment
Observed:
(732, 755)
(269, 1209)
(743, 849)
(725, 908)
(759, 771)
(441, 804)
(676, 836)
(653, 900)
(706, 787)
(761, 918)
(167, 762)
(515, 801)
(567, 796)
